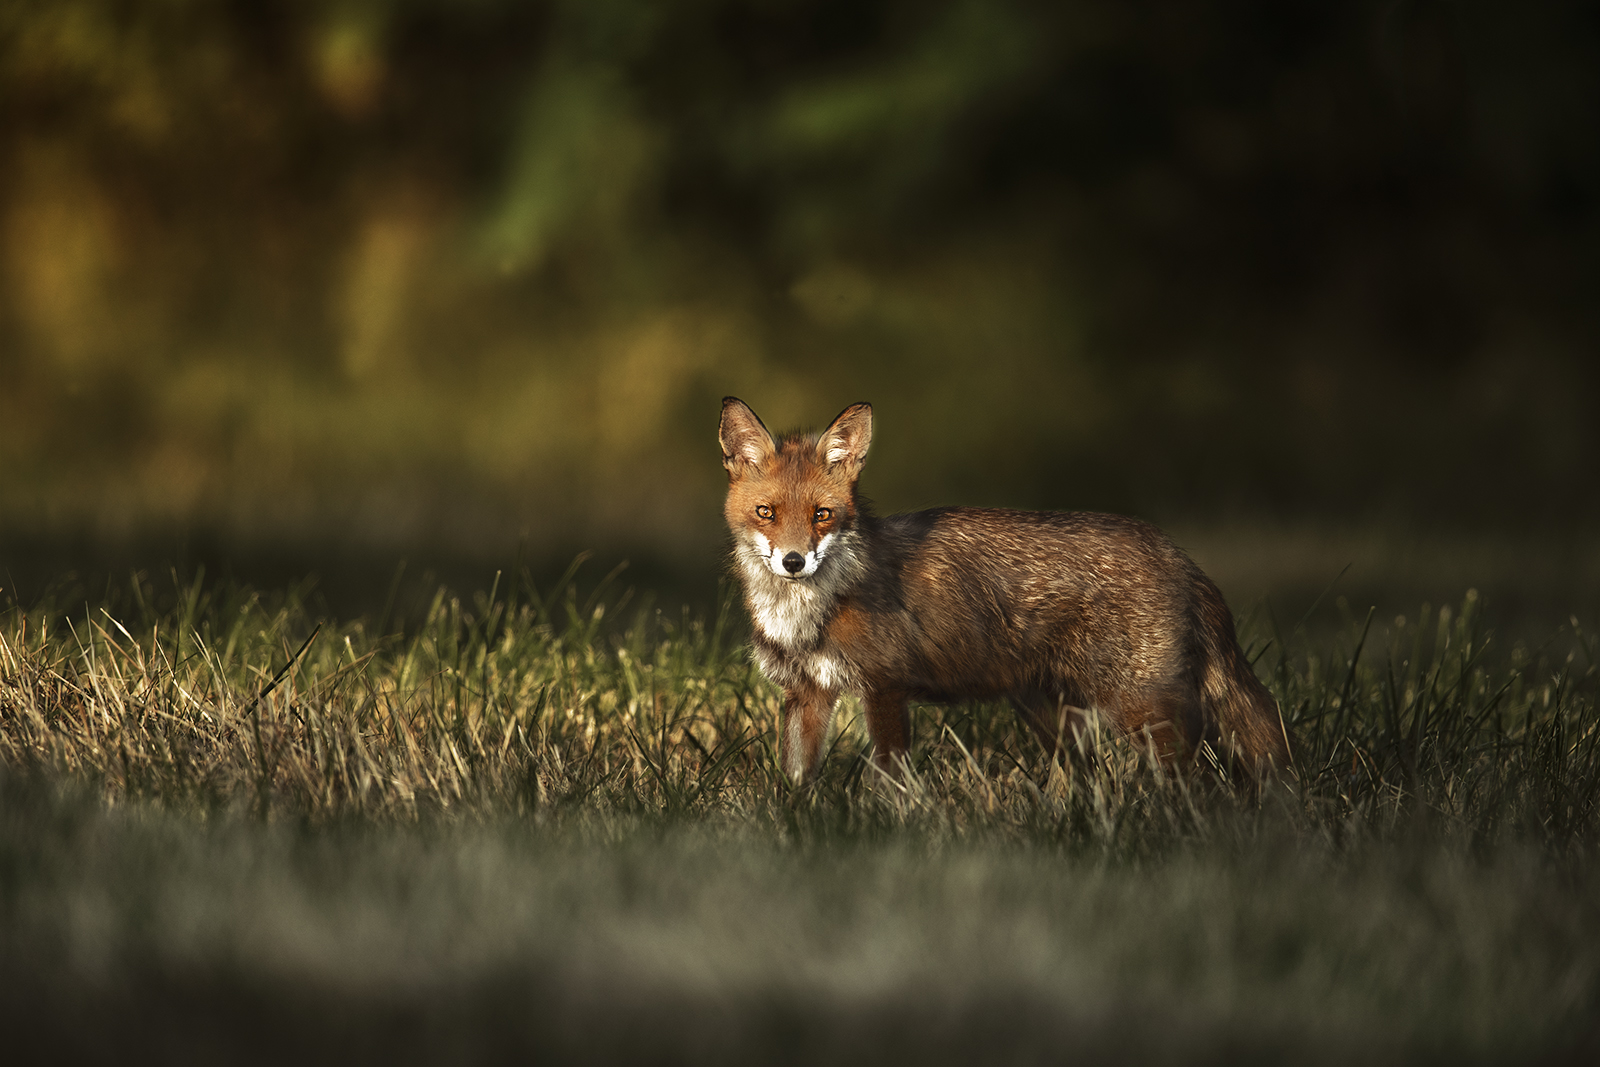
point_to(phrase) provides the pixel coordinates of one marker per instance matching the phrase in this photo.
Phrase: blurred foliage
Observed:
(402, 269)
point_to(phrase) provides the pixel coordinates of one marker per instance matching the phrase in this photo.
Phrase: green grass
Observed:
(550, 825)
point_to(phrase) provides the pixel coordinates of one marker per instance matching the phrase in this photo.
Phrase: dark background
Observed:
(296, 286)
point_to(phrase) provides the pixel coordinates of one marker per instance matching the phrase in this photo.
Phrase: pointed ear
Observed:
(743, 435)
(846, 439)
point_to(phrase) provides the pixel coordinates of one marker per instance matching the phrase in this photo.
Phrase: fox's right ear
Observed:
(743, 435)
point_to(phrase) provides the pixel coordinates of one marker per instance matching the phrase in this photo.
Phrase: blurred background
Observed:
(291, 286)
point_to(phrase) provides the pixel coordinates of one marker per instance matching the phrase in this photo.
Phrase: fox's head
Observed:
(792, 501)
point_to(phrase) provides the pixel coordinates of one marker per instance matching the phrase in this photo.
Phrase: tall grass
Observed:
(539, 823)
(513, 701)
(552, 705)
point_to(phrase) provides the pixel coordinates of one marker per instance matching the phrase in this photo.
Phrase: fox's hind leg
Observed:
(1059, 726)
(1164, 720)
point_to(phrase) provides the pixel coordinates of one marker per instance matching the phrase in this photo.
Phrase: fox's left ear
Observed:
(847, 437)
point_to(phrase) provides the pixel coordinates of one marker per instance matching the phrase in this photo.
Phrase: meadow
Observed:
(539, 822)
(293, 287)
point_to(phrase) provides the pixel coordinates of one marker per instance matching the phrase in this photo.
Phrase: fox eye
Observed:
(764, 511)
(822, 515)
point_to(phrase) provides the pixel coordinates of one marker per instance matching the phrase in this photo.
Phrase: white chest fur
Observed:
(791, 612)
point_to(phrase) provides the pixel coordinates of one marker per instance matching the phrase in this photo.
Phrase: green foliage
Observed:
(1159, 257)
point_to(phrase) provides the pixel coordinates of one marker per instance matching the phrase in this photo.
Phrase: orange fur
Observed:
(1067, 614)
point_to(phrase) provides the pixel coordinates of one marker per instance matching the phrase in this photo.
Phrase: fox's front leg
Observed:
(889, 727)
(802, 729)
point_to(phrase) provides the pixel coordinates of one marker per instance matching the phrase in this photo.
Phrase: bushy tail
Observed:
(1243, 722)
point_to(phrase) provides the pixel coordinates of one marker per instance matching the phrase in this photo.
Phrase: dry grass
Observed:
(544, 705)
(531, 822)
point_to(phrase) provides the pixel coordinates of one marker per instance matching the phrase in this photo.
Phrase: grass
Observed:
(539, 823)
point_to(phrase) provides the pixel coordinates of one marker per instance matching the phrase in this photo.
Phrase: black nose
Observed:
(794, 563)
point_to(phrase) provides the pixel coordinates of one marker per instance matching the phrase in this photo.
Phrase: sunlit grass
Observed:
(537, 805)
(523, 702)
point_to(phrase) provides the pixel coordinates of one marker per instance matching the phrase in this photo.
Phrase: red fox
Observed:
(1069, 615)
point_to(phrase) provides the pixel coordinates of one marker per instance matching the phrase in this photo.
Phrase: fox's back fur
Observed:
(1069, 615)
